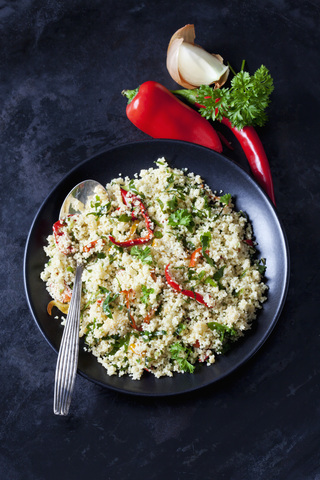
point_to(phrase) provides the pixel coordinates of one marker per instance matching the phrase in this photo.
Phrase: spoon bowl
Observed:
(74, 203)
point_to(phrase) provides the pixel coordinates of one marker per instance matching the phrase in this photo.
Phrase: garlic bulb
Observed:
(190, 65)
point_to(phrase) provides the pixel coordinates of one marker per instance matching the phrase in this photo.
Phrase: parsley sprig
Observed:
(244, 103)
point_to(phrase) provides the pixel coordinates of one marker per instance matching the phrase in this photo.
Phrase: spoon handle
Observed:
(68, 353)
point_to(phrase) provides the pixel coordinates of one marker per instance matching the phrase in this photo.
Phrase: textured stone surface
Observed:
(63, 66)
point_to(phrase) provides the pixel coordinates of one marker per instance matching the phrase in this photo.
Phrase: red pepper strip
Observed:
(194, 257)
(141, 240)
(249, 242)
(157, 112)
(66, 296)
(58, 234)
(124, 194)
(132, 320)
(178, 288)
(148, 317)
(134, 241)
(89, 246)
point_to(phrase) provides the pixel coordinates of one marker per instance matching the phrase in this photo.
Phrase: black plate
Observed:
(220, 174)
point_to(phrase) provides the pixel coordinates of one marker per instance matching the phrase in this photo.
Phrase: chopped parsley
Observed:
(146, 292)
(205, 242)
(124, 218)
(143, 254)
(226, 198)
(106, 303)
(180, 217)
(223, 330)
(180, 354)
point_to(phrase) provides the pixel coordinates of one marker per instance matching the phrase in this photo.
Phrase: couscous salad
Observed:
(171, 276)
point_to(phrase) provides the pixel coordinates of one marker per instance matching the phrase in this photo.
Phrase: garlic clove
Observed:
(199, 67)
(173, 63)
(190, 65)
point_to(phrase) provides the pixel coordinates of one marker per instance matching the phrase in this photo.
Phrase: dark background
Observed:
(63, 66)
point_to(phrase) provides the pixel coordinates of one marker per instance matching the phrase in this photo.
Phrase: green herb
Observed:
(99, 209)
(205, 240)
(223, 330)
(261, 266)
(119, 342)
(134, 190)
(90, 329)
(143, 254)
(244, 103)
(243, 274)
(160, 203)
(211, 282)
(146, 292)
(180, 354)
(217, 277)
(157, 234)
(180, 217)
(178, 190)
(112, 258)
(124, 218)
(147, 336)
(158, 162)
(180, 328)
(106, 304)
(225, 198)
(172, 204)
(170, 181)
(100, 255)
(70, 269)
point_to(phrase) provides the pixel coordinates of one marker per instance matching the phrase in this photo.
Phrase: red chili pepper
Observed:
(251, 146)
(189, 293)
(148, 222)
(256, 156)
(157, 112)
(255, 153)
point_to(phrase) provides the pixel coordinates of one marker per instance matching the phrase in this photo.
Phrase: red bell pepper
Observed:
(157, 112)
(189, 293)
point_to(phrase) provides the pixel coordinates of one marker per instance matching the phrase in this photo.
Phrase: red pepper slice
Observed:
(194, 257)
(144, 213)
(58, 236)
(90, 246)
(132, 320)
(124, 194)
(249, 242)
(189, 293)
(158, 113)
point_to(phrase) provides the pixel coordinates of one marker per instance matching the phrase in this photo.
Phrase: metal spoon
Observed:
(67, 363)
